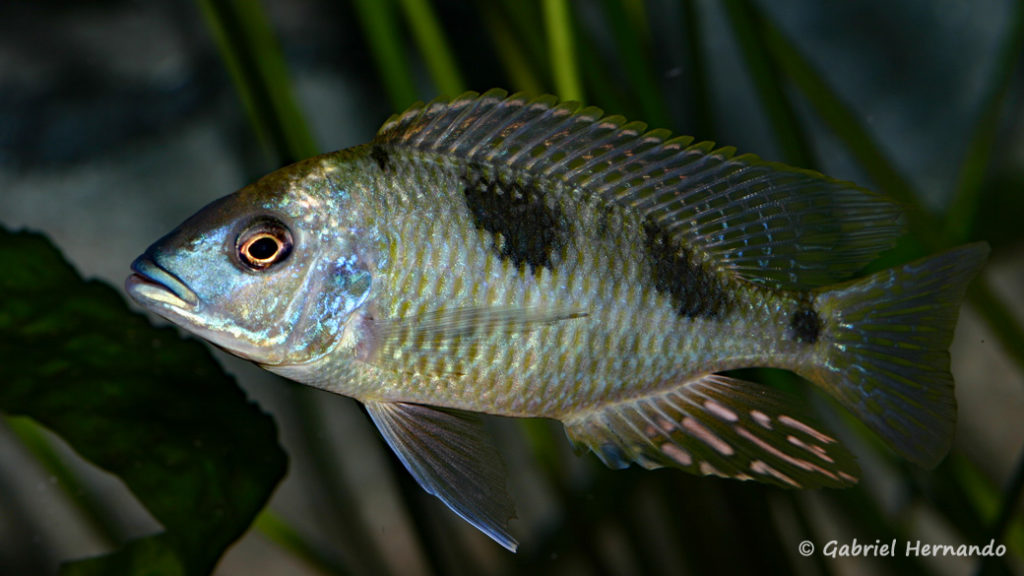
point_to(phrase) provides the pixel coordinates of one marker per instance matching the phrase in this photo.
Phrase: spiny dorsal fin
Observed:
(717, 426)
(761, 220)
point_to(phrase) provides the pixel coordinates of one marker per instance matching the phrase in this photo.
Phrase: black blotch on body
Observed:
(695, 291)
(531, 231)
(805, 324)
(381, 157)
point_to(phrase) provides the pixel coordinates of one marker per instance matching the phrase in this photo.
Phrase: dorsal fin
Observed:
(760, 220)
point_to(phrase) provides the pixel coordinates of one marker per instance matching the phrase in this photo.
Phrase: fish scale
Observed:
(624, 307)
(503, 254)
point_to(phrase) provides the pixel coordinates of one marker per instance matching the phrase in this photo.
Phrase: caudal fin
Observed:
(886, 349)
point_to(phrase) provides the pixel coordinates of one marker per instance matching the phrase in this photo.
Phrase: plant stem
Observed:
(279, 531)
(93, 509)
(381, 30)
(564, 69)
(257, 67)
(960, 216)
(430, 38)
(748, 30)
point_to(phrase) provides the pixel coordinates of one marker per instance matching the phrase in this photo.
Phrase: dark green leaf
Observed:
(155, 410)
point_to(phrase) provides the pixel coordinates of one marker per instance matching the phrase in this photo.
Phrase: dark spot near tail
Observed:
(381, 157)
(695, 291)
(805, 325)
(527, 229)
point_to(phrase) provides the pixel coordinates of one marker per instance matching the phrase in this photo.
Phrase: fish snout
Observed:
(151, 286)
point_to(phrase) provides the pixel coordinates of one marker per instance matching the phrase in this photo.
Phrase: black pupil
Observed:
(263, 249)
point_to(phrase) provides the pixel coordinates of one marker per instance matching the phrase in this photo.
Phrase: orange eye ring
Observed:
(264, 245)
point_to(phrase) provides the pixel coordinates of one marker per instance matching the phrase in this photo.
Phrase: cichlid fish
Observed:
(523, 257)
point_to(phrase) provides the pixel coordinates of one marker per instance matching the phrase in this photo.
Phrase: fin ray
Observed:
(887, 350)
(721, 426)
(450, 456)
(762, 221)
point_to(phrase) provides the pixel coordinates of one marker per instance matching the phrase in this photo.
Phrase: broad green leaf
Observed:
(138, 401)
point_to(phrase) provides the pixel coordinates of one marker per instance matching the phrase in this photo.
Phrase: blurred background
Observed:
(118, 119)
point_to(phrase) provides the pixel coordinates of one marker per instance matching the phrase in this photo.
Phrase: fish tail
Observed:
(885, 349)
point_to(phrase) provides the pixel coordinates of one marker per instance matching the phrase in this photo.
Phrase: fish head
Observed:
(270, 273)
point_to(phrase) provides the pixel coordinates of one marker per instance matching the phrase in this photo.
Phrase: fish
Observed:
(498, 254)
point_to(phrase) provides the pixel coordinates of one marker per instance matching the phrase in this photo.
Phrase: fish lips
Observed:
(153, 287)
(163, 293)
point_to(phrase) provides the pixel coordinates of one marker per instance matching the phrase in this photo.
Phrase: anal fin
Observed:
(721, 426)
(449, 454)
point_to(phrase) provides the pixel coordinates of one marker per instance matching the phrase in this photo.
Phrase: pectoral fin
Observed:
(717, 426)
(449, 454)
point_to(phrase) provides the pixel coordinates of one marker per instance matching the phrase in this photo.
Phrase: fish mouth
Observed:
(163, 293)
(151, 285)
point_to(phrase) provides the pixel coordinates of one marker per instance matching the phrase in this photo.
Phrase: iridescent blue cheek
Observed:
(336, 288)
(349, 284)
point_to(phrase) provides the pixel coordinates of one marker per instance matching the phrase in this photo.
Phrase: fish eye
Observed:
(263, 244)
